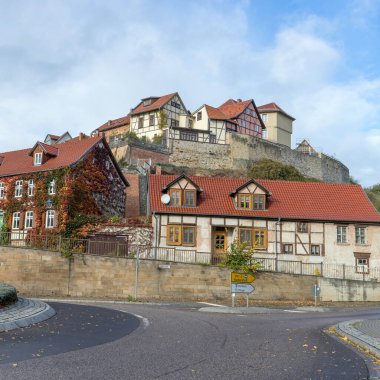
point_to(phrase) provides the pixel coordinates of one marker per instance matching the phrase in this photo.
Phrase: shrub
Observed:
(8, 294)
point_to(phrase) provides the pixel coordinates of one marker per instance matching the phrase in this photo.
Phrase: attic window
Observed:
(37, 158)
(251, 201)
(147, 102)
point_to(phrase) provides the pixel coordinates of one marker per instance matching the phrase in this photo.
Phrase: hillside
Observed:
(374, 195)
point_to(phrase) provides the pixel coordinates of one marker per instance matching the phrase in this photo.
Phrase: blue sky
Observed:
(72, 65)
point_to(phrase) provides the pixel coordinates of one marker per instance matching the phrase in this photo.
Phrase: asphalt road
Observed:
(179, 342)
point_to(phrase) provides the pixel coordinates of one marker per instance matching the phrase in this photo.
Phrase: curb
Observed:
(23, 313)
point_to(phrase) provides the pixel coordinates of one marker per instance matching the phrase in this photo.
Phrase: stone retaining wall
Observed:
(41, 273)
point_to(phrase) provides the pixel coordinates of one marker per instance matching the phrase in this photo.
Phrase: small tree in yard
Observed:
(240, 257)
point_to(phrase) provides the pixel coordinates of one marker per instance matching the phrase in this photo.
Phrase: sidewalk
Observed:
(23, 313)
(366, 333)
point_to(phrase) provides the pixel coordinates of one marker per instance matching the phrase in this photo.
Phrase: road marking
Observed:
(212, 304)
(295, 311)
(145, 321)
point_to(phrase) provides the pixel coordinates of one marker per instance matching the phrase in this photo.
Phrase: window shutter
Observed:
(55, 219)
(22, 220)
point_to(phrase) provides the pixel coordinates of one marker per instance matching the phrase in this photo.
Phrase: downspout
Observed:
(155, 235)
(276, 242)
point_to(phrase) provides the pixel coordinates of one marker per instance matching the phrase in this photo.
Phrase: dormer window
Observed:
(251, 201)
(38, 158)
(147, 102)
(183, 192)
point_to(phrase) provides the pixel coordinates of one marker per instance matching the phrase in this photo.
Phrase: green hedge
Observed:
(8, 294)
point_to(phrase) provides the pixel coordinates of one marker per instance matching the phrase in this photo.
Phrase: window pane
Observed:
(245, 235)
(188, 235)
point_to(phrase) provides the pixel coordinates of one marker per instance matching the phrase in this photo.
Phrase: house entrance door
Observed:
(219, 243)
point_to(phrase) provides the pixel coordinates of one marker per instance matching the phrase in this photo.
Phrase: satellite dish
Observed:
(165, 199)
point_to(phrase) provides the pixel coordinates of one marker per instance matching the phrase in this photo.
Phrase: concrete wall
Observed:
(41, 273)
(242, 151)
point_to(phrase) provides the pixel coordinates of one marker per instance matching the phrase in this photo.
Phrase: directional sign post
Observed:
(241, 283)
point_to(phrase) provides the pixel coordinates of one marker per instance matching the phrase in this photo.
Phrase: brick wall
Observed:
(41, 273)
(132, 207)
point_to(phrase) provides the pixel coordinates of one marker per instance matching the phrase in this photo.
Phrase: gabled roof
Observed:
(233, 108)
(330, 202)
(69, 153)
(157, 103)
(47, 149)
(273, 107)
(215, 113)
(177, 179)
(58, 139)
(233, 193)
(110, 124)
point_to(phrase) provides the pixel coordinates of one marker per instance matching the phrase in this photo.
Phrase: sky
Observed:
(72, 65)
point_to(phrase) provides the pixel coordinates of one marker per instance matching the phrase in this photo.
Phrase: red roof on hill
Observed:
(288, 200)
(67, 153)
(157, 102)
(115, 123)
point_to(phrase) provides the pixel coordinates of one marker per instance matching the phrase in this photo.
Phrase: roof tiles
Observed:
(289, 200)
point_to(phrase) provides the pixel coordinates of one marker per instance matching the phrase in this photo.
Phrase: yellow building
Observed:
(278, 123)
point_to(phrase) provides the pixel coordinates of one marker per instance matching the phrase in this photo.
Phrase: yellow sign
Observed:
(241, 278)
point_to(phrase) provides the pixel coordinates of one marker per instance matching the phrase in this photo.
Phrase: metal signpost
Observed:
(241, 283)
(316, 292)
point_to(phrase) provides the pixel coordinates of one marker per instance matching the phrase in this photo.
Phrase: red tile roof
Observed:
(233, 108)
(115, 123)
(158, 103)
(273, 107)
(69, 152)
(48, 149)
(289, 200)
(215, 113)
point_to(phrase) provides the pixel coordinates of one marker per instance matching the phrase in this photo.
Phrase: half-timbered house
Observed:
(295, 221)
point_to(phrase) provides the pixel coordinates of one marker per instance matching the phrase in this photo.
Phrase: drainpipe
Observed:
(155, 235)
(276, 242)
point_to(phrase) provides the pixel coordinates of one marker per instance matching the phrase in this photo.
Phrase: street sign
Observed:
(242, 288)
(241, 278)
(316, 290)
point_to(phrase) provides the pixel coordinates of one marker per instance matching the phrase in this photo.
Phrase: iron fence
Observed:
(117, 248)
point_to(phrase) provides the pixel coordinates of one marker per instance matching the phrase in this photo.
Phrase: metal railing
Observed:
(117, 248)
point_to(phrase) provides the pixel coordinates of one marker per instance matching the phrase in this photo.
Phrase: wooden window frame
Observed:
(262, 196)
(287, 252)
(253, 236)
(171, 191)
(301, 230)
(245, 229)
(140, 122)
(194, 235)
(194, 198)
(240, 196)
(151, 120)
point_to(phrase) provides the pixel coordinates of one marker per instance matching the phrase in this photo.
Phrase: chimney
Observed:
(239, 100)
(109, 122)
(82, 136)
(158, 170)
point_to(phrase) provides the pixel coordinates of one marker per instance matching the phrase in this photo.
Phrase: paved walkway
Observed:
(23, 313)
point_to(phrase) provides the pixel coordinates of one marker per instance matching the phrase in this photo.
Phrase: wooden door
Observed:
(220, 242)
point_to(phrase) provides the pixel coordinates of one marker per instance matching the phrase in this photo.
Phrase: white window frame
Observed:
(30, 188)
(341, 234)
(264, 117)
(362, 265)
(18, 189)
(52, 187)
(360, 235)
(50, 219)
(315, 250)
(2, 190)
(16, 217)
(38, 159)
(29, 218)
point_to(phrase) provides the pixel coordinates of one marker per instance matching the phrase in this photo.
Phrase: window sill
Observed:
(343, 244)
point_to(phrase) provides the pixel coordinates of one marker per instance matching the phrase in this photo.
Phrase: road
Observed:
(112, 341)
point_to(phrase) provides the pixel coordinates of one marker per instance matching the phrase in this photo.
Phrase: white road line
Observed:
(211, 304)
(295, 311)
(145, 321)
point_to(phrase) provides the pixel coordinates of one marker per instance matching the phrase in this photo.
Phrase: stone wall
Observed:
(40, 273)
(242, 151)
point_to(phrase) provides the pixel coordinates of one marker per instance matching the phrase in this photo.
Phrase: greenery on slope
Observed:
(374, 195)
(270, 169)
